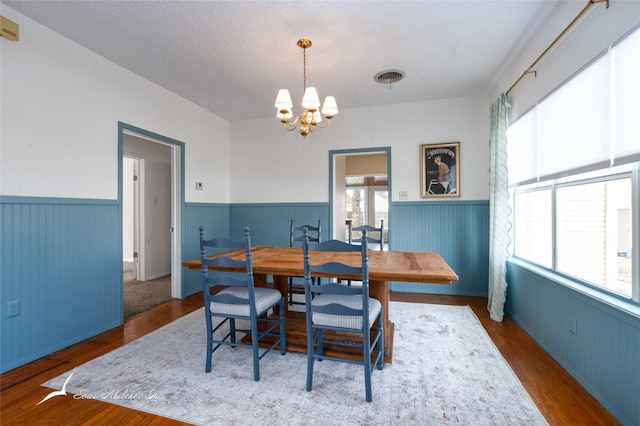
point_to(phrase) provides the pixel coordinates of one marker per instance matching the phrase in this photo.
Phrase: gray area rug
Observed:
(446, 370)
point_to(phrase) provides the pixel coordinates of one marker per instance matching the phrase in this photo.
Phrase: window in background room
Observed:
(357, 205)
(367, 202)
(382, 208)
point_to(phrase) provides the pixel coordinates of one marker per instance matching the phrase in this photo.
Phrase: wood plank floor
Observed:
(558, 396)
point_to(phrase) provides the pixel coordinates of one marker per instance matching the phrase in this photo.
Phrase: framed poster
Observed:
(440, 164)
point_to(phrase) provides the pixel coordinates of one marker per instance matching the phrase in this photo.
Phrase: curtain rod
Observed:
(529, 70)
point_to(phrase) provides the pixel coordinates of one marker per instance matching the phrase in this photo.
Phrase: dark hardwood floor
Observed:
(559, 397)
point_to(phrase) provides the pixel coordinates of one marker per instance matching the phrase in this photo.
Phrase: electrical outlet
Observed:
(199, 186)
(13, 308)
(403, 195)
(573, 326)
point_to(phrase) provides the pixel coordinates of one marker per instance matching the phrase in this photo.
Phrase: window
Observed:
(357, 205)
(533, 226)
(590, 221)
(367, 202)
(574, 175)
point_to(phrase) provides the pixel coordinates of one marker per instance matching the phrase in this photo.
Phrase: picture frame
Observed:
(440, 165)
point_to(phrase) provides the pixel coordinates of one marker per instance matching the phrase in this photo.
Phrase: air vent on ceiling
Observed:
(8, 29)
(389, 76)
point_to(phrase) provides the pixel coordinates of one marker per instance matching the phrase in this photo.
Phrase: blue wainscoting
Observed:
(458, 230)
(270, 223)
(603, 354)
(61, 259)
(75, 291)
(215, 220)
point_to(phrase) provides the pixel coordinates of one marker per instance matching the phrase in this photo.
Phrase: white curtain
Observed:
(498, 209)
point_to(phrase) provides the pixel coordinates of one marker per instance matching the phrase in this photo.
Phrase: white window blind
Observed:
(522, 148)
(575, 121)
(591, 122)
(626, 65)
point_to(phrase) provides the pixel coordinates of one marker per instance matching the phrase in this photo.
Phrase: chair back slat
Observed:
(335, 288)
(226, 262)
(371, 231)
(213, 278)
(229, 299)
(336, 269)
(338, 309)
(296, 234)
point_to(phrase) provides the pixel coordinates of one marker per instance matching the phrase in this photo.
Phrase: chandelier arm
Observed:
(293, 123)
(322, 126)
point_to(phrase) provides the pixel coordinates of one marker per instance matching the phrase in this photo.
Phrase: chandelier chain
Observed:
(304, 69)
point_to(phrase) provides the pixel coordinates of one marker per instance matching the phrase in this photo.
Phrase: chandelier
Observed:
(310, 117)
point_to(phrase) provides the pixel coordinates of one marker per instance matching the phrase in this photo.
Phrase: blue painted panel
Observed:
(60, 259)
(457, 230)
(270, 223)
(215, 220)
(604, 354)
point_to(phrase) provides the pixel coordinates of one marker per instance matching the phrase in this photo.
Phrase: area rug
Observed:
(445, 370)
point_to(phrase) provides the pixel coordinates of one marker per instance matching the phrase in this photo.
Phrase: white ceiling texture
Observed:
(231, 57)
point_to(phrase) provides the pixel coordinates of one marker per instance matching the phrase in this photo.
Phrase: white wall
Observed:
(61, 104)
(271, 165)
(590, 36)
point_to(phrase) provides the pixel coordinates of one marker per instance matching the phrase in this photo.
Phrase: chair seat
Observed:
(265, 298)
(344, 321)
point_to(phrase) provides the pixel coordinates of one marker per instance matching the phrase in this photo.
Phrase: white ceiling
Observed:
(231, 57)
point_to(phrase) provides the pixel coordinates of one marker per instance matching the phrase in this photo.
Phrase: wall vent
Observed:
(9, 29)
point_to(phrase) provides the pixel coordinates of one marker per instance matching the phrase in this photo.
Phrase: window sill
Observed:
(592, 295)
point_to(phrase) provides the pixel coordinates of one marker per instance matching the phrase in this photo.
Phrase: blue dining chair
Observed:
(238, 300)
(333, 307)
(370, 236)
(295, 240)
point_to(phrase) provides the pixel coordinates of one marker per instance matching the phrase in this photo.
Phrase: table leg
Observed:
(280, 283)
(380, 290)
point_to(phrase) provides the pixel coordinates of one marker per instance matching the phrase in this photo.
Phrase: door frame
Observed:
(177, 198)
(332, 181)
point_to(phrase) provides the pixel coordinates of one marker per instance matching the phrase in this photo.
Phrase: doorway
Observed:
(360, 188)
(151, 203)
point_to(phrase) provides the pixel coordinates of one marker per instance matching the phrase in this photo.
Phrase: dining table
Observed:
(384, 266)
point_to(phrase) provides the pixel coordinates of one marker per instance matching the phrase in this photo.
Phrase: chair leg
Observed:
(320, 350)
(381, 343)
(366, 352)
(283, 330)
(207, 366)
(290, 291)
(232, 330)
(255, 348)
(310, 355)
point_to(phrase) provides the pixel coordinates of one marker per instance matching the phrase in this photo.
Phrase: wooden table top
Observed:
(425, 267)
